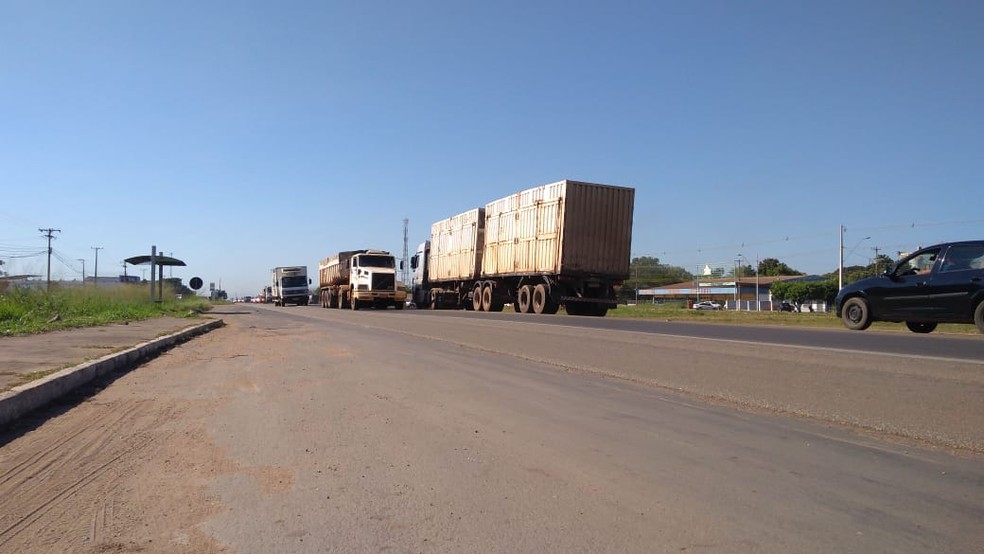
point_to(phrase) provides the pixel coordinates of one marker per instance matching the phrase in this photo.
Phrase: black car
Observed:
(939, 284)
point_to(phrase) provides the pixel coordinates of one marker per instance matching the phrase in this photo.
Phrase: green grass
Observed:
(29, 311)
(679, 312)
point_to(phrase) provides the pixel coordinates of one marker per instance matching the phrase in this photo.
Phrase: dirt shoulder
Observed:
(28, 357)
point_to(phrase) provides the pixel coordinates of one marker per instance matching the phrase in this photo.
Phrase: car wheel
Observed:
(920, 326)
(979, 316)
(855, 314)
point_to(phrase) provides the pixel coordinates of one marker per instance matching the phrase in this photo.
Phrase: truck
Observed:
(289, 285)
(360, 278)
(565, 244)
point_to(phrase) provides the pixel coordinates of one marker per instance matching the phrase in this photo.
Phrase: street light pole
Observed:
(758, 302)
(83, 269)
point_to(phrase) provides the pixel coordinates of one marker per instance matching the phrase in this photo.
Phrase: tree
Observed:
(647, 272)
(746, 271)
(772, 267)
(854, 273)
(799, 292)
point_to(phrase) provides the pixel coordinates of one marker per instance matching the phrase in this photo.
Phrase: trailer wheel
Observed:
(354, 304)
(477, 297)
(541, 300)
(491, 301)
(575, 308)
(525, 302)
(487, 298)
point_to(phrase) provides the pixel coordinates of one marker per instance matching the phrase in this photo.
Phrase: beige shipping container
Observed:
(564, 228)
(456, 247)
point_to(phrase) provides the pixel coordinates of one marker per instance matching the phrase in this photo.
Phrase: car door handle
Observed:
(975, 279)
(922, 283)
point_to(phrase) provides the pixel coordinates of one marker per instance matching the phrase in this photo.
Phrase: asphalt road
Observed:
(956, 347)
(311, 430)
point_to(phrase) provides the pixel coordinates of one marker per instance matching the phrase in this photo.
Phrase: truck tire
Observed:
(354, 304)
(477, 297)
(575, 308)
(524, 304)
(490, 301)
(542, 302)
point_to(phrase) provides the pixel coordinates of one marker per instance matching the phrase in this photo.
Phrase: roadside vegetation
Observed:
(29, 311)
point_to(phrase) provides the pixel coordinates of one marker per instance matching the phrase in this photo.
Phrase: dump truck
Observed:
(289, 285)
(565, 244)
(360, 278)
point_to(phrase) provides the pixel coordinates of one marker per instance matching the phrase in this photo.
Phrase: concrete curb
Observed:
(30, 396)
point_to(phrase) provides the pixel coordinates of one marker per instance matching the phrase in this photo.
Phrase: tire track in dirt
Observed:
(43, 480)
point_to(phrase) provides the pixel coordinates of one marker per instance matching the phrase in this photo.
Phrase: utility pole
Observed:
(877, 250)
(83, 269)
(840, 265)
(95, 280)
(49, 234)
(405, 270)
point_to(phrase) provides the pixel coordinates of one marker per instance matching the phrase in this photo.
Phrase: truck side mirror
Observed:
(401, 264)
(309, 280)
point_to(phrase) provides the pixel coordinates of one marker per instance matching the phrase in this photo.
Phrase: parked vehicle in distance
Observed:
(943, 283)
(786, 307)
(707, 305)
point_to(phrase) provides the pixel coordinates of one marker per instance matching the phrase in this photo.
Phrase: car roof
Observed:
(956, 243)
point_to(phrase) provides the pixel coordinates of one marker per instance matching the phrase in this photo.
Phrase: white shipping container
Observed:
(456, 247)
(564, 228)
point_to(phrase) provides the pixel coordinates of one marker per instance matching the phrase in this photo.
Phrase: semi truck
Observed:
(289, 285)
(360, 278)
(565, 244)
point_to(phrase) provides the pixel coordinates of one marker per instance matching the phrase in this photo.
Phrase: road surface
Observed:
(310, 430)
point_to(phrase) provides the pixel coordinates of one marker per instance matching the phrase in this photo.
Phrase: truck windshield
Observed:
(293, 281)
(376, 261)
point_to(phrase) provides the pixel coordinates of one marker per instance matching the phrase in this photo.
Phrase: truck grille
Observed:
(383, 281)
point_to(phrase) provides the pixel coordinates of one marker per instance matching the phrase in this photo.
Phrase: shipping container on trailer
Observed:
(562, 244)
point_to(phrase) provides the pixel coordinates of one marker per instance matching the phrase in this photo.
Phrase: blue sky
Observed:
(246, 135)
